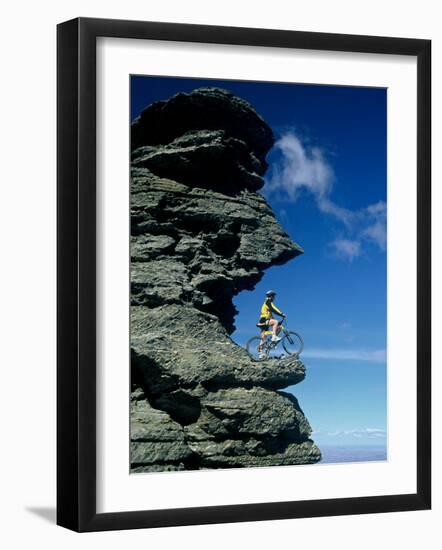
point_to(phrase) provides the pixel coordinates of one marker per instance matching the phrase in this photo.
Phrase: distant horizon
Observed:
(340, 454)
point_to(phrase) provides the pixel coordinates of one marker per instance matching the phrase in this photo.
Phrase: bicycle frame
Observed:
(263, 345)
(281, 328)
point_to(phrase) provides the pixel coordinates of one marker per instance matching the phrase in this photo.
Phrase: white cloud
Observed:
(303, 168)
(374, 356)
(346, 249)
(377, 228)
(370, 433)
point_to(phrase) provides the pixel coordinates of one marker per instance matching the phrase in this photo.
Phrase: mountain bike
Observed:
(291, 341)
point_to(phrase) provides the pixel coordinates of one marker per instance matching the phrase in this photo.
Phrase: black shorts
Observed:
(263, 323)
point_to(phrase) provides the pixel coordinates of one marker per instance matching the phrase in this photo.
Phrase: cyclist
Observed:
(266, 319)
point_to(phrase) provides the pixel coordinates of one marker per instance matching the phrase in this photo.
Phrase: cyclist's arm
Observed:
(274, 309)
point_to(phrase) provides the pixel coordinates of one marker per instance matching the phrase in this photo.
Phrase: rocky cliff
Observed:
(200, 235)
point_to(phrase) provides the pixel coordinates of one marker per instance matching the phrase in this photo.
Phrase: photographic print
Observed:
(258, 274)
(222, 289)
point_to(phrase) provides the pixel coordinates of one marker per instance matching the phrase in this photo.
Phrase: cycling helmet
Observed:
(270, 293)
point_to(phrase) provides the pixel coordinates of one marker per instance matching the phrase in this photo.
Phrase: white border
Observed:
(116, 489)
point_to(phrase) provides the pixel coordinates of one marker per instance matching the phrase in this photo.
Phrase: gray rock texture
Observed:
(200, 235)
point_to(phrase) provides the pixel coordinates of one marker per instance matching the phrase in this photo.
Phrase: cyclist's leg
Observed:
(274, 324)
(263, 337)
(263, 325)
(275, 330)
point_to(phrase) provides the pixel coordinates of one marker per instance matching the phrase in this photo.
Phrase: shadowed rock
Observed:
(200, 235)
(156, 440)
(203, 109)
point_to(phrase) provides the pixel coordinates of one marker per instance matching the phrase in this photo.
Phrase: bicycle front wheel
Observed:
(252, 348)
(293, 343)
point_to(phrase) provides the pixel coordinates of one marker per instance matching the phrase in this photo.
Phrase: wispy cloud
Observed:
(305, 169)
(375, 356)
(346, 249)
(370, 433)
(376, 230)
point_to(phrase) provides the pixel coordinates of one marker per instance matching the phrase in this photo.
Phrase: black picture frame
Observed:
(76, 274)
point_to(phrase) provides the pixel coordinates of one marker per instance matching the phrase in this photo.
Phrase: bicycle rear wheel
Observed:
(252, 348)
(293, 343)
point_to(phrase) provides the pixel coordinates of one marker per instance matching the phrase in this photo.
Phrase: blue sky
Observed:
(327, 186)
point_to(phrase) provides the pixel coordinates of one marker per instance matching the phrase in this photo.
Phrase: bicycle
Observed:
(292, 343)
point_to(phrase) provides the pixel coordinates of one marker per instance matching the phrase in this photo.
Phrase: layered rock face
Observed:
(200, 235)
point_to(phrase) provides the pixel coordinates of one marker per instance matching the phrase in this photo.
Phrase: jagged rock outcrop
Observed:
(200, 235)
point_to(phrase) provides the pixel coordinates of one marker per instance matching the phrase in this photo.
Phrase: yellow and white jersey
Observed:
(268, 308)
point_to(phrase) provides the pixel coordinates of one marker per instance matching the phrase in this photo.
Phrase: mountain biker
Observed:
(266, 319)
